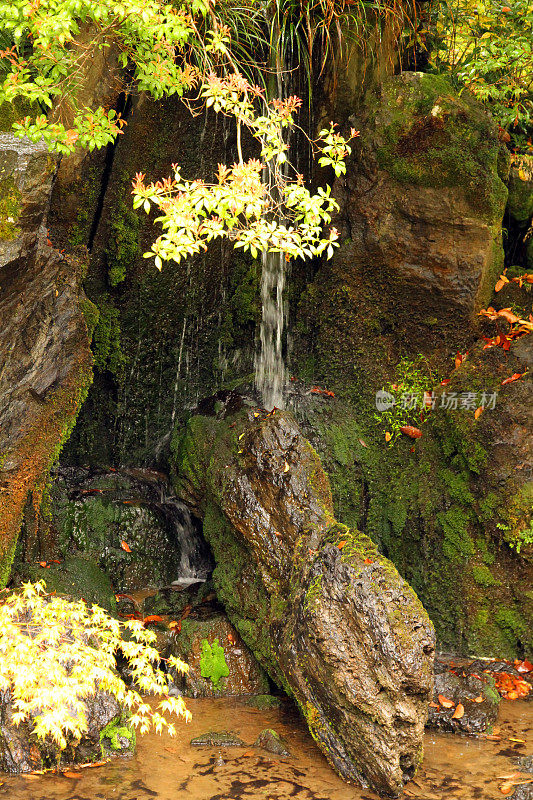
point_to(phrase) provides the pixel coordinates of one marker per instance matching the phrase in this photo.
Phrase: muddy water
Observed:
(170, 769)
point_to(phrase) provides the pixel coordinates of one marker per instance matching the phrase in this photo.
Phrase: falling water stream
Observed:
(269, 362)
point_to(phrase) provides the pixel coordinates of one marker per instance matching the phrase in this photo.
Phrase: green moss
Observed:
(10, 208)
(313, 593)
(520, 202)
(106, 338)
(432, 137)
(512, 623)
(483, 576)
(14, 112)
(124, 240)
(213, 662)
(91, 314)
(77, 577)
(264, 702)
(111, 735)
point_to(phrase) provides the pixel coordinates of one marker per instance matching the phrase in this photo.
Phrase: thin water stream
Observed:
(269, 364)
(454, 768)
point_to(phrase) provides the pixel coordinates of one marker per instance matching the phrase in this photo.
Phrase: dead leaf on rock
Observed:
(445, 703)
(459, 711)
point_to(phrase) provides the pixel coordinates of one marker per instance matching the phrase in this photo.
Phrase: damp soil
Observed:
(170, 769)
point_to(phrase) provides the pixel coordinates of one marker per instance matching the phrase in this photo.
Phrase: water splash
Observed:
(270, 373)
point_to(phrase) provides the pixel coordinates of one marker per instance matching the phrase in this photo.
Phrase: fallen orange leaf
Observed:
(434, 705)
(388, 436)
(125, 546)
(507, 788)
(368, 561)
(478, 412)
(409, 430)
(341, 544)
(478, 699)
(68, 774)
(459, 711)
(513, 378)
(445, 703)
(152, 618)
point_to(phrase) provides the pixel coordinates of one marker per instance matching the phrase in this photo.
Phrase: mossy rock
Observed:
(77, 578)
(428, 135)
(520, 201)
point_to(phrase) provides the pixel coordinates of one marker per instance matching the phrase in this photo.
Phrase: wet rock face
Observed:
(95, 511)
(243, 675)
(329, 618)
(463, 686)
(46, 369)
(26, 173)
(44, 346)
(21, 752)
(423, 200)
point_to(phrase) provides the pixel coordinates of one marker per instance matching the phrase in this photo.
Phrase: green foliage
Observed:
(414, 378)
(521, 538)
(488, 47)
(213, 662)
(256, 209)
(111, 735)
(55, 653)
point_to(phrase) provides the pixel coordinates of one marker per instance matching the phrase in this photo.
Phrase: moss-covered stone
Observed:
(520, 201)
(77, 577)
(10, 207)
(304, 591)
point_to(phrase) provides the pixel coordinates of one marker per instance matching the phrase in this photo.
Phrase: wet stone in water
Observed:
(217, 739)
(463, 689)
(264, 702)
(272, 741)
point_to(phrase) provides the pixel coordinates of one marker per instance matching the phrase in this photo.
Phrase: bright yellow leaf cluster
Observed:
(55, 653)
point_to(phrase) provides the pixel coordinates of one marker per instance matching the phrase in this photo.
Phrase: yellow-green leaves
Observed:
(54, 654)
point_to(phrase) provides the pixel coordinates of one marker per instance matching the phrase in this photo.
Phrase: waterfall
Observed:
(269, 362)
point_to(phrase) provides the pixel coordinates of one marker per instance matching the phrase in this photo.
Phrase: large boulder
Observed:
(329, 618)
(44, 343)
(423, 199)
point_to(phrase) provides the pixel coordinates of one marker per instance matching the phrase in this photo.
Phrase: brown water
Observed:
(170, 769)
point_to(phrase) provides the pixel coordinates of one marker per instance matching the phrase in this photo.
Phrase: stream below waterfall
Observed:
(170, 769)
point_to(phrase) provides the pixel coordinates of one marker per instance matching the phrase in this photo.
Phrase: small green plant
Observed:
(54, 654)
(407, 396)
(113, 733)
(213, 662)
(521, 538)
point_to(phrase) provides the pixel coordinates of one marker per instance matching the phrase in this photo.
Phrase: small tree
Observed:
(54, 654)
(171, 48)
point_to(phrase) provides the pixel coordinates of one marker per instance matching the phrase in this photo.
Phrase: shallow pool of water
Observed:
(170, 769)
